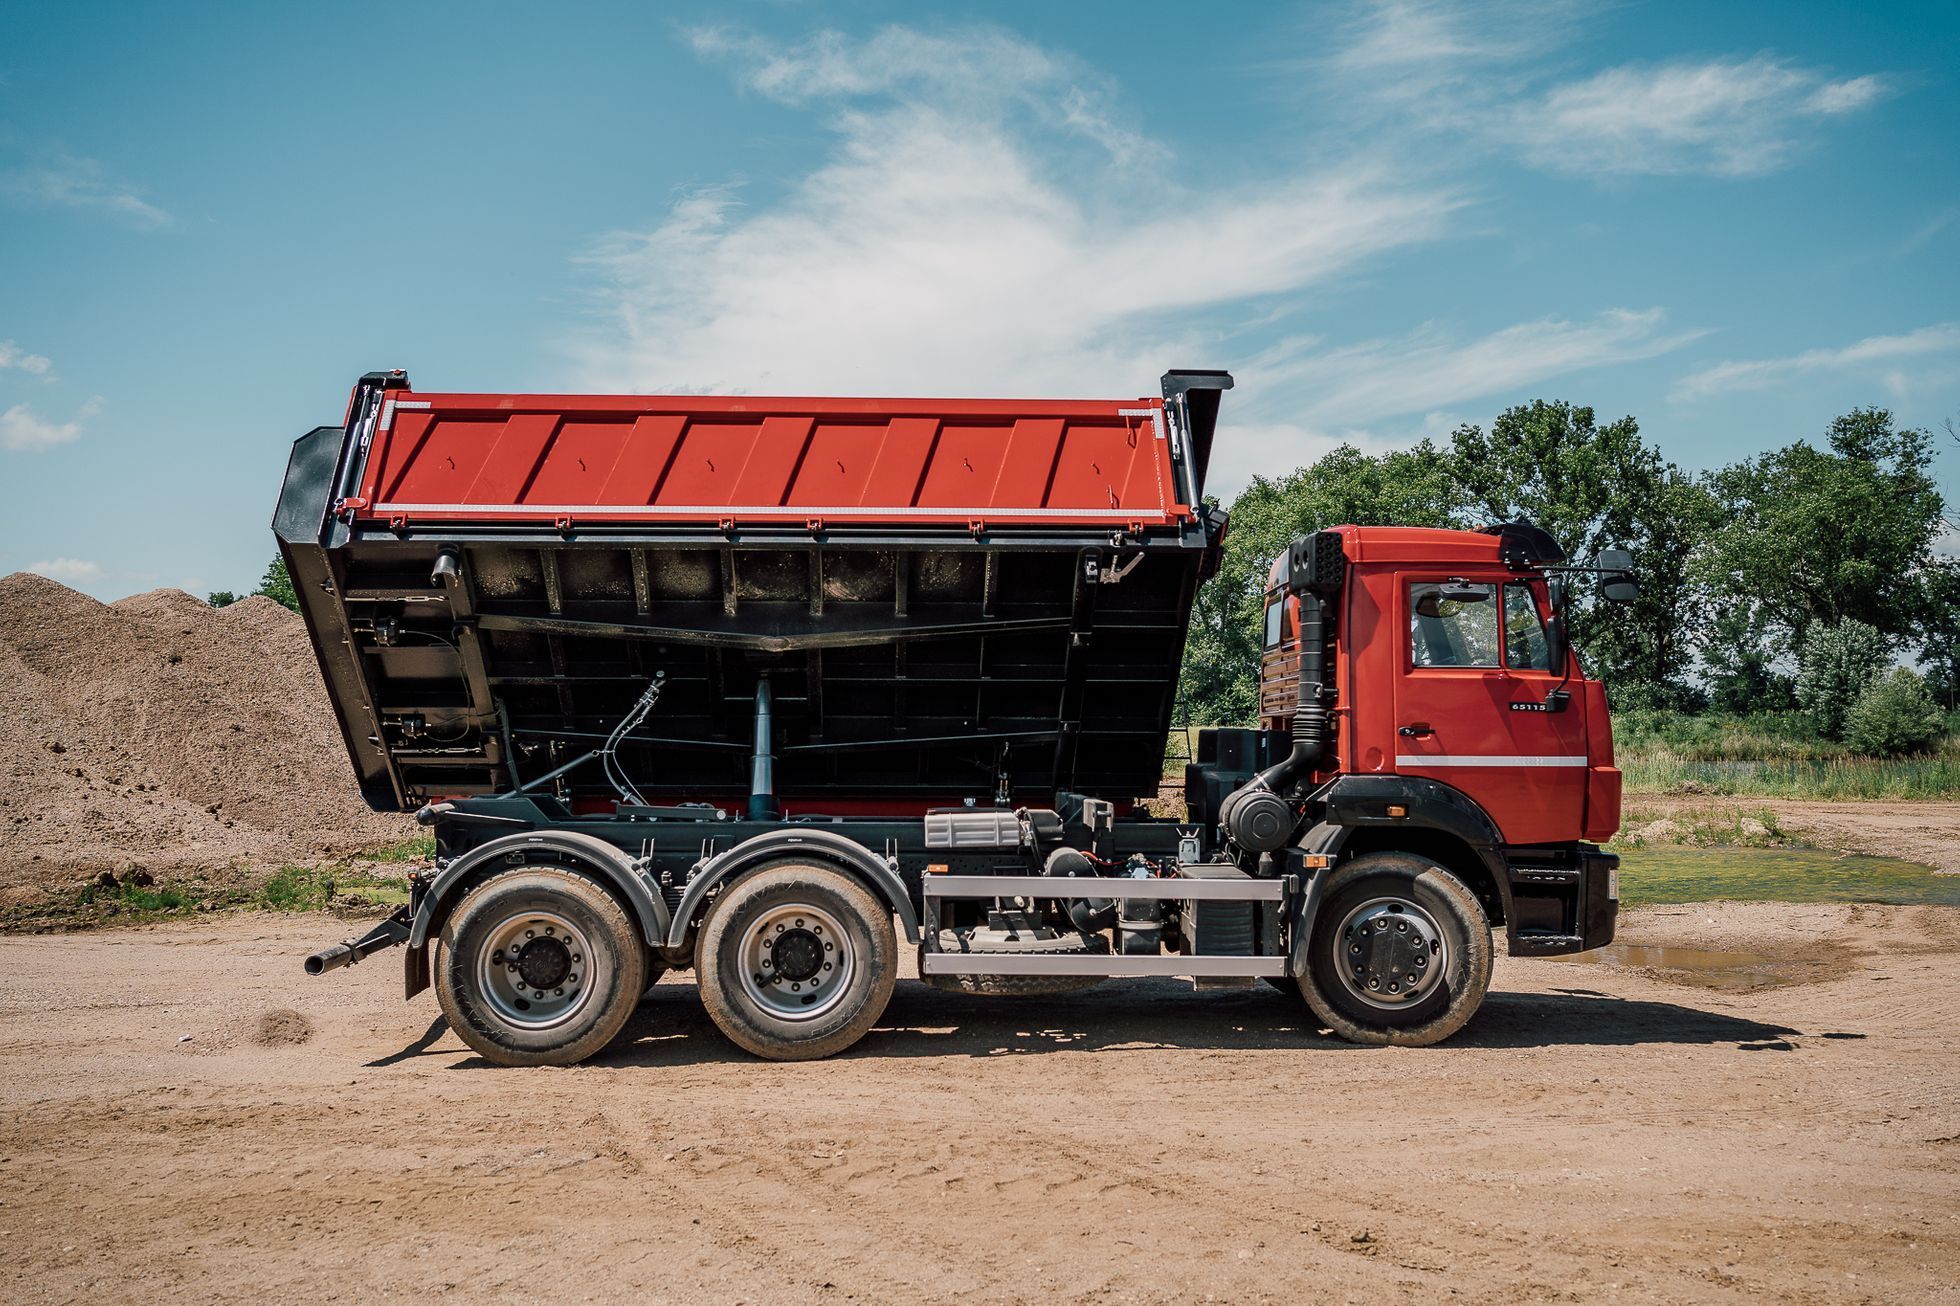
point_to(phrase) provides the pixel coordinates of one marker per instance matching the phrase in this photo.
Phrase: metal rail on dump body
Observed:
(947, 599)
(937, 888)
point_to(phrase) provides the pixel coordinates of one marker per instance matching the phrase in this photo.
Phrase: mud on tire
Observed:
(1400, 952)
(539, 967)
(796, 961)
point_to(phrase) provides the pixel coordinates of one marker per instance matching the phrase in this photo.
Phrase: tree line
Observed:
(1793, 580)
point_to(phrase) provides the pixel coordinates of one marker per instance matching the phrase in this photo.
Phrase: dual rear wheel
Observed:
(542, 966)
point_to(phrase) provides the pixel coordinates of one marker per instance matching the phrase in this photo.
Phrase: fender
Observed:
(822, 845)
(589, 852)
(1362, 801)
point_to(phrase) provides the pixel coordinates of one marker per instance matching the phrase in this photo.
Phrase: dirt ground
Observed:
(1928, 833)
(198, 1121)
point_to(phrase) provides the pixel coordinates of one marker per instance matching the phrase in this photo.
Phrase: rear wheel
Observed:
(1400, 952)
(539, 967)
(796, 961)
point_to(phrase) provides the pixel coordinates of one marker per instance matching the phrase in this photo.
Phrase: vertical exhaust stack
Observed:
(1257, 816)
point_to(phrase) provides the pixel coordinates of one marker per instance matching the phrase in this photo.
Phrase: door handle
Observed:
(1416, 730)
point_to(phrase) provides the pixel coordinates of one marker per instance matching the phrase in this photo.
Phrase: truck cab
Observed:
(1463, 724)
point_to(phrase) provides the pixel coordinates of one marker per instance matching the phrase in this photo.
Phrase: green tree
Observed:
(1741, 663)
(221, 598)
(1939, 629)
(1895, 714)
(277, 585)
(1817, 537)
(1219, 684)
(1597, 487)
(1839, 661)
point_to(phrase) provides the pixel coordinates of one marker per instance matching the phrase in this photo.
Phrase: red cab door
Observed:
(1471, 699)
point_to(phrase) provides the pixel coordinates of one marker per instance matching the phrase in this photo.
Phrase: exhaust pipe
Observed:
(1255, 816)
(387, 934)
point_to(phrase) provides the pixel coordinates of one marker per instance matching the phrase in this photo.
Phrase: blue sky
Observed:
(1732, 221)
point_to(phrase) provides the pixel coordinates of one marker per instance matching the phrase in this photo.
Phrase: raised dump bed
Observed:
(945, 599)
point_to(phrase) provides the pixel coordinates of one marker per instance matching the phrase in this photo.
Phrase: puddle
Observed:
(1672, 875)
(1693, 966)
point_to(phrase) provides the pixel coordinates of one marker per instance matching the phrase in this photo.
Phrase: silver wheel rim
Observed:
(796, 961)
(1390, 953)
(536, 970)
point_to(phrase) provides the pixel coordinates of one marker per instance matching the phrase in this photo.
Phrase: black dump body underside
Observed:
(930, 666)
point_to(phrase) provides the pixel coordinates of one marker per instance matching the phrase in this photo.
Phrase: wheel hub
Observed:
(544, 962)
(534, 969)
(1389, 953)
(797, 954)
(796, 961)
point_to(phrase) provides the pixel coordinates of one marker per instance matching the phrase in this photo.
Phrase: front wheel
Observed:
(1400, 952)
(796, 961)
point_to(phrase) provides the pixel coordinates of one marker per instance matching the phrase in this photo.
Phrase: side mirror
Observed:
(1616, 582)
(1557, 646)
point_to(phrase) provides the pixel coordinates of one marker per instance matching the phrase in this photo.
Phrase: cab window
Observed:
(1275, 614)
(1525, 645)
(1453, 624)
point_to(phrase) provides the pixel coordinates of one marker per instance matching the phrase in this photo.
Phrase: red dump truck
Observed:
(760, 687)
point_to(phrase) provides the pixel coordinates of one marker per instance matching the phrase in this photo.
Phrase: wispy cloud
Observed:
(1735, 118)
(69, 571)
(1432, 368)
(1872, 353)
(13, 356)
(980, 225)
(1478, 76)
(57, 179)
(23, 431)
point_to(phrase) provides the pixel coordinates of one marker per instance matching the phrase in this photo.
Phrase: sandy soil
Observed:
(1596, 1131)
(1928, 833)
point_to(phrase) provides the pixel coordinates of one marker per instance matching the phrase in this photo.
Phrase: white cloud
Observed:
(60, 180)
(1426, 72)
(1870, 353)
(22, 431)
(12, 355)
(1301, 399)
(960, 238)
(1430, 368)
(1738, 118)
(69, 571)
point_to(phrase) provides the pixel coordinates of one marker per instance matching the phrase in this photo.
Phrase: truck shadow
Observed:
(671, 1028)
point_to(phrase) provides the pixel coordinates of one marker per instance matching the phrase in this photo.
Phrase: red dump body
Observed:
(718, 460)
(948, 599)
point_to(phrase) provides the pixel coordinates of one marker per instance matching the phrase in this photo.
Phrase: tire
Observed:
(777, 930)
(1397, 908)
(539, 967)
(1020, 986)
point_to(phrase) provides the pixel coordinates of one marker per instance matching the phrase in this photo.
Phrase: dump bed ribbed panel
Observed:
(505, 458)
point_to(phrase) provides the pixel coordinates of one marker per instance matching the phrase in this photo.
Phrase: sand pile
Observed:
(157, 730)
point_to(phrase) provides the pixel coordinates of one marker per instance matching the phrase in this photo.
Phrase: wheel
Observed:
(1020, 986)
(1400, 952)
(539, 967)
(796, 961)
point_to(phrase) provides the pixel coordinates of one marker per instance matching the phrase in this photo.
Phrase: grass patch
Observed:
(1700, 827)
(297, 888)
(1845, 778)
(421, 848)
